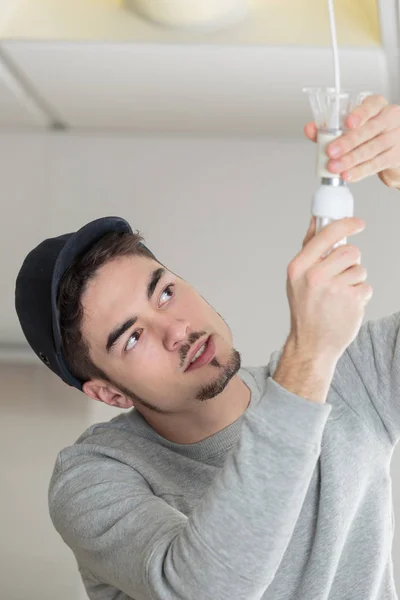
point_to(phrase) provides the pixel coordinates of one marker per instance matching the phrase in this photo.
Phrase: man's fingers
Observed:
(311, 231)
(311, 131)
(330, 235)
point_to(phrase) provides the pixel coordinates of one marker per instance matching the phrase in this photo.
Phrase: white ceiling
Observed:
(106, 72)
(192, 89)
(271, 22)
(142, 78)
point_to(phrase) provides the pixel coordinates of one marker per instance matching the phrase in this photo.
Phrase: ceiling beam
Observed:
(389, 17)
(25, 94)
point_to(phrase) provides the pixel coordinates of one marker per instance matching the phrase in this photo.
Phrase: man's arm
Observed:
(231, 544)
(368, 375)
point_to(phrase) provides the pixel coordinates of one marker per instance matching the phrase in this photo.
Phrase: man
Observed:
(222, 482)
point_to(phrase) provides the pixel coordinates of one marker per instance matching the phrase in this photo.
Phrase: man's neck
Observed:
(209, 417)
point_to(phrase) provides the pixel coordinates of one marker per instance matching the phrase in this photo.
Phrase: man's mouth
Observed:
(207, 352)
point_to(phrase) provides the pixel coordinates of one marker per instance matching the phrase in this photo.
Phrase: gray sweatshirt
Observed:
(290, 502)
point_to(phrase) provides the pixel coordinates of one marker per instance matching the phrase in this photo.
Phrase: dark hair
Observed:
(72, 286)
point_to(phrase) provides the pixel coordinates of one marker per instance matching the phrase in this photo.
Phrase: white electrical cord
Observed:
(336, 64)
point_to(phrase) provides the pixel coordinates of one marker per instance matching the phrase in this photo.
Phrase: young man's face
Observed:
(150, 357)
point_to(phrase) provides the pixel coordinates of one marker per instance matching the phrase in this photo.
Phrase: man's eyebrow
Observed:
(116, 333)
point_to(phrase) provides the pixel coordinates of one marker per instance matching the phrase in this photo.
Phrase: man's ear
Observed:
(101, 390)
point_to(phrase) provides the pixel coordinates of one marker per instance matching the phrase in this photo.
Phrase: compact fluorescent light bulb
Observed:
(332, 200)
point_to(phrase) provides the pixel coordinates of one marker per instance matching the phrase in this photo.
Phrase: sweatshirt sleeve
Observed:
(232, 543)
(368, 376)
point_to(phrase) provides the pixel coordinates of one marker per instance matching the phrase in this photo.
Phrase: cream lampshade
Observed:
(191, 14)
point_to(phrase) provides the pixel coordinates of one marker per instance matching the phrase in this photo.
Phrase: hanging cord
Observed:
(336, 65)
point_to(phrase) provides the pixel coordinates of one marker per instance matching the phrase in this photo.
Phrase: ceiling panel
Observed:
(196, 89)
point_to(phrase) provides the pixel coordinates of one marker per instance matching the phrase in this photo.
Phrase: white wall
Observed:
(226, 214)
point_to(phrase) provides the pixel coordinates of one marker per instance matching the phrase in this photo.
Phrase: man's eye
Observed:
(128, 347)
(136, 333)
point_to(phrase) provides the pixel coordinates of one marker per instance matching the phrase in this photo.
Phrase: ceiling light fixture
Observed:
(192, 15)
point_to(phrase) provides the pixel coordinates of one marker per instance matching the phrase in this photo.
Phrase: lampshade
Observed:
(191, 14)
